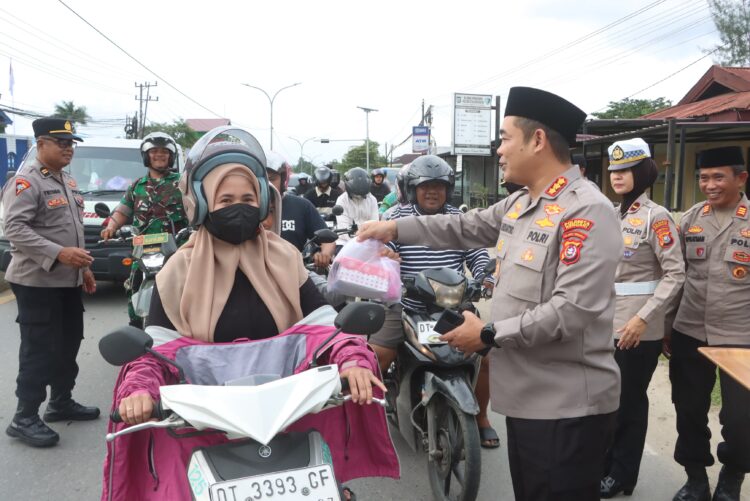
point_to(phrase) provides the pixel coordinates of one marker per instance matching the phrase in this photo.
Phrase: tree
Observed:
(732, 20)
(357, 157)
(69, 111)
(179, 130)
(304, 166)
(633, 108)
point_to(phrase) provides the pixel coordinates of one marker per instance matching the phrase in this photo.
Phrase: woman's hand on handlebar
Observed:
(322, 259)
(136, 409)
(360, 384)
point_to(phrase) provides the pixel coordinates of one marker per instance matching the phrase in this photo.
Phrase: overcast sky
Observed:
(387, 56)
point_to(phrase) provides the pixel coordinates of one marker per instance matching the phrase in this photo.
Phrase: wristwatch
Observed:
(488, 335)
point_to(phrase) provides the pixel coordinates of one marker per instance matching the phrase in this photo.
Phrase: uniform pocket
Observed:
(525, 278)
(738, 263)
(695, 251)
(34, 316)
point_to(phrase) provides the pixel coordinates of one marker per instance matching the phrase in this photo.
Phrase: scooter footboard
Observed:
(454, 386)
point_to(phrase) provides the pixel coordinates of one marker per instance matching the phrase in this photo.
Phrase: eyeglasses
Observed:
(61, 143)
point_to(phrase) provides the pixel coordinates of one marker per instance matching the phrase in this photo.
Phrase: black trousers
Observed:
(693, 377)
(637, 365)
(558, 459)
(51, 324)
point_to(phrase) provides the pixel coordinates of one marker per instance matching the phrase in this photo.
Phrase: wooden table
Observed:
(733, 361)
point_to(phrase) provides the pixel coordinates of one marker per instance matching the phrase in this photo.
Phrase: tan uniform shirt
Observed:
(715, 305)
(43, 213)
(652, 252)
(554, 302)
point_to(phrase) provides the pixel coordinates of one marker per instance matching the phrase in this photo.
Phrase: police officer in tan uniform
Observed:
(649, 278)
(714, 311)
(558, 242)
(49, 267)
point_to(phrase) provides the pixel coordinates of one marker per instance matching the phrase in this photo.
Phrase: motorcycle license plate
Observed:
(426, 333)
(315, 483)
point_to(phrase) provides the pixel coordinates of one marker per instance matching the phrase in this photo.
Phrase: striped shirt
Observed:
(416, 258)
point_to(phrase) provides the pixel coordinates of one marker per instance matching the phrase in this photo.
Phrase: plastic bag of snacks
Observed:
(360, 270)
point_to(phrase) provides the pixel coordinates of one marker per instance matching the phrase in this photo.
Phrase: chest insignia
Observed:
(741, 256)
(557, 186)
(54, 203)
(516, 212)
(21, 185)
(628, 240)
(700, 251)
(634, 221)
(695, 229)
(739, 272)
(745, 233)
(550, 210)
(528, 255)
(72, 183)
(500, 245)
(628, 253)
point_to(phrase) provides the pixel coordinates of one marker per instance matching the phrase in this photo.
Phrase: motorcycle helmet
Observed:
(425, 169)
(400, 179)
(277, 163)
(322, 175)
(377, 172)
(158, 140)
(219, 146)
(357, 182)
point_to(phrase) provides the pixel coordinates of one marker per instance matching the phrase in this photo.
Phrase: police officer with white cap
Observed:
(558, 244)
(49, 267)
(714, 311)
(649, 278)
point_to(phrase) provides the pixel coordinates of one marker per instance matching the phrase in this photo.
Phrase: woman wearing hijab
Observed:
(648, 278)
(235, 282)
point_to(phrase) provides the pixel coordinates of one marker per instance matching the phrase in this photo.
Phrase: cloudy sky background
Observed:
(387, 55)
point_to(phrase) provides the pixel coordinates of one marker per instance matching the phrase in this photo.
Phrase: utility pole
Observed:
(271, 100)
(143, 105)
(367, 136)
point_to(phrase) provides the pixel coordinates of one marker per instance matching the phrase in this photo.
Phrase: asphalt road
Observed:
(72, 470)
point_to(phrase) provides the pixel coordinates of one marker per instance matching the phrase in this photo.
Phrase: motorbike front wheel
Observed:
(456, 464)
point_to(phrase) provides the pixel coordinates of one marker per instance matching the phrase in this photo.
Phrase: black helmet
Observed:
(425, 169)
(400, 180)
(357, 182)
(377, 172)
(219, 146)
(322, 175)
(158, 140)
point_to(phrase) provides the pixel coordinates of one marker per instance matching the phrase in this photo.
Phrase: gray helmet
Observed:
(400, 180)
(377, 172)
(219, 146)
(280, 165)
(322, 175)
(425, 169)
(158, 140)
(357, 182)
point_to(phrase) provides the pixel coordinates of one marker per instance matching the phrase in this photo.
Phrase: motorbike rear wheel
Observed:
(456, 468)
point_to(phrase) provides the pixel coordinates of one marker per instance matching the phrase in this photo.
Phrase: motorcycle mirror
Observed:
(337, 210)
(490, 267)
(124, 345)
(360, 318)
(102, 210)
(325, 236)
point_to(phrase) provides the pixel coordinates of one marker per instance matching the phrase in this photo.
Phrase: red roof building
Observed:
(206, 124)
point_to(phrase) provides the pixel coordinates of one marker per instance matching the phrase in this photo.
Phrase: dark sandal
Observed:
(489, 435)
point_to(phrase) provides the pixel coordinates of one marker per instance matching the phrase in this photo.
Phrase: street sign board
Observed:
(420, 139)
(472, 124)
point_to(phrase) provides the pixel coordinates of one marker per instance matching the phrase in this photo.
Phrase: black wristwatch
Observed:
(488, 335)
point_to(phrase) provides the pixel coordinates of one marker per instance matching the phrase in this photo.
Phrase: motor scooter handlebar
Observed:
(157, 413)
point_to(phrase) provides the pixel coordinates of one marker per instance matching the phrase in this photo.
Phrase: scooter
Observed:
(431, 385)
(150, 253)
(263, 464)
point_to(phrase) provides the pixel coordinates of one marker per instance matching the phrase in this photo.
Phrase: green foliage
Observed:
(356, 157)
(633, 108)
(732, 20)
(304, 166)
(69, 111)
(179, 130)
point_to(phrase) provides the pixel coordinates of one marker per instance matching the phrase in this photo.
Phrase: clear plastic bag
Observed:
(360, 270)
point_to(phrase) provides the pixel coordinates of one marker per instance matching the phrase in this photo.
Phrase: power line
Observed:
(158, 77)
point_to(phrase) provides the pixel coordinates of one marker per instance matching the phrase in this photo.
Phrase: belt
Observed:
(635, 288)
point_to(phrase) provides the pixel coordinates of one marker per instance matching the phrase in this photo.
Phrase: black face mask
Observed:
(235, 223)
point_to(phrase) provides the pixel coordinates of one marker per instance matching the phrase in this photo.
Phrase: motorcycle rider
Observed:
(397, 197)
(152, 204)
(299, 219)
(358, 203)
(428, 183)
(324, 194)
(380, 187)
(231, 280)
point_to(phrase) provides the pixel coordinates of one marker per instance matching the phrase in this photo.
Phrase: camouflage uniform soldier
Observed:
(153, 203)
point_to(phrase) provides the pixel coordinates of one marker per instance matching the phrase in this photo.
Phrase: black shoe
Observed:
(611, 487)
(695, 489)
(32, 431)
(69, 410)
(729, 485)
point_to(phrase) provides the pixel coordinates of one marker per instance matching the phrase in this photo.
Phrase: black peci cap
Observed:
(549, 109)
(726, 156)
(55, 127)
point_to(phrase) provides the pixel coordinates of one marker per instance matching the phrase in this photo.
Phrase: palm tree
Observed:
(69, 111)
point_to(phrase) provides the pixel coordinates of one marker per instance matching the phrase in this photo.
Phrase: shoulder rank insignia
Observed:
(706, 209)
(45, 172)
(634, 208)
(21, 185)
(741, 211)
(557, 186)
